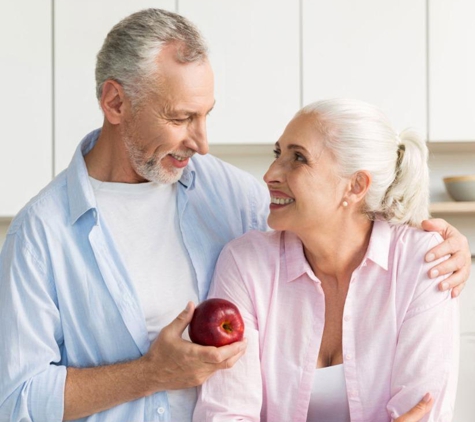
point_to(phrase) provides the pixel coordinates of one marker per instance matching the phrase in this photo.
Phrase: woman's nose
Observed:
(273, 174)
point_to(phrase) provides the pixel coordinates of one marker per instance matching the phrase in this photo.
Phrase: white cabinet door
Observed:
(370, 50)
(25, 84)
(80, 30)
(254, 50)
(451, 70)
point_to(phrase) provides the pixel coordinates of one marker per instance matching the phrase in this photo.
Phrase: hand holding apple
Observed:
(216, 322)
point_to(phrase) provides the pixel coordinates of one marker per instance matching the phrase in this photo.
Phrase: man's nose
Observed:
(197, 139)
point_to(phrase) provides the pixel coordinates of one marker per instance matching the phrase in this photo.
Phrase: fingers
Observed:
(178, 325)
(454, 243)
(460, 269)
(456, 282)
(418, 411)
(225, 356)
(449, 246)
(457, 290)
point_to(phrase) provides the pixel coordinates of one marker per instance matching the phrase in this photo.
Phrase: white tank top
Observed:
(328, 400)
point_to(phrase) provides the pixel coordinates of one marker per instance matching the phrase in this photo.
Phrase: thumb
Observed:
(435, 225)
(178, 325)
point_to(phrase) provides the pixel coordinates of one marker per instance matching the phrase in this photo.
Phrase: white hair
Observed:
(361, 138)
(129, 53)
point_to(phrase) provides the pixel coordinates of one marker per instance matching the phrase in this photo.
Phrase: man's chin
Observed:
(166, 177)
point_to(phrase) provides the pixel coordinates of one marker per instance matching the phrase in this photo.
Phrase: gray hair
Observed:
(129, 53)
(360, 137)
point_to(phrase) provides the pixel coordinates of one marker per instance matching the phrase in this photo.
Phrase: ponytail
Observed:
(406, 201)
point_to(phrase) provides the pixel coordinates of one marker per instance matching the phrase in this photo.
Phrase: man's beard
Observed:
(150, 168)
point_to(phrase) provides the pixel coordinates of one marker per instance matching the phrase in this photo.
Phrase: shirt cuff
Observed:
(46, 398)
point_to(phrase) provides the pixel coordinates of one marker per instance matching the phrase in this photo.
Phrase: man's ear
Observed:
(113, 101)
(360, 183)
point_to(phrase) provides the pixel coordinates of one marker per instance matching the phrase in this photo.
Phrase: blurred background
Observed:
(413, 58)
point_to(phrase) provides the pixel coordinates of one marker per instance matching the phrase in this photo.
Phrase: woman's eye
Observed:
(276, 153)
(299, 157)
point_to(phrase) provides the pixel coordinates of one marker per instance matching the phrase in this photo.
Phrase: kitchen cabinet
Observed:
(80, 29)
(369, 50)
(25, 84)
(451, 70)
(255, 53)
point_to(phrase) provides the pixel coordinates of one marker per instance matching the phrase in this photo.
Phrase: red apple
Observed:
(216, 322)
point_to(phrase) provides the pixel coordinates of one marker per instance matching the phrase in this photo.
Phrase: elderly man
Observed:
(96, 267)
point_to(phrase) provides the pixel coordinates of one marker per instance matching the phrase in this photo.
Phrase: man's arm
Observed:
(171, 363)
(456, 245)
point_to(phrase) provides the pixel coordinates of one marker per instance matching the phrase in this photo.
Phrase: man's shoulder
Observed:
(50, 204)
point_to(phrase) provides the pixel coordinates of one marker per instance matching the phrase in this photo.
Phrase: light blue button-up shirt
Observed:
(66, 298)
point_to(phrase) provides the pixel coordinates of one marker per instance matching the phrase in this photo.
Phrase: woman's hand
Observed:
(418, 411)
(454, 244)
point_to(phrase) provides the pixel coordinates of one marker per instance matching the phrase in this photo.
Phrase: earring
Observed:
(344, 203)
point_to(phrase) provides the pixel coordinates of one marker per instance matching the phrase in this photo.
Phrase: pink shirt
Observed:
(400, 334)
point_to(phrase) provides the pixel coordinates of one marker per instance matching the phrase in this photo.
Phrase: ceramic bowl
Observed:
(461, 188)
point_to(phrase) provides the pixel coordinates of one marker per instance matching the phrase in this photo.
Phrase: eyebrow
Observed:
(294, 147)
(173, 111)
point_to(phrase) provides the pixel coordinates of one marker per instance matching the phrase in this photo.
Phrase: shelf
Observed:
(452, 208)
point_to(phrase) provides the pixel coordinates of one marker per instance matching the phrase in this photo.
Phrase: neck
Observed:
(108, 160)
(335, 252)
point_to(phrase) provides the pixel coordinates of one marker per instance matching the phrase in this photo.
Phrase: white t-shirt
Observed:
(144, 224)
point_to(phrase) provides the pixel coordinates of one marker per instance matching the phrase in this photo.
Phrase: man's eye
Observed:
(276, 153)
(180, 121)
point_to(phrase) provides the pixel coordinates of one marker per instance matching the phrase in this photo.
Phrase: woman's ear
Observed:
(360, 183)
(112, 101)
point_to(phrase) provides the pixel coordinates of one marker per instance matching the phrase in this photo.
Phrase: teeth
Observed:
(177, 157)
(281, 201)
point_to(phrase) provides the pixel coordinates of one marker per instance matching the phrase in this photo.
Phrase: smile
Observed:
(281, 201)
(179, 158)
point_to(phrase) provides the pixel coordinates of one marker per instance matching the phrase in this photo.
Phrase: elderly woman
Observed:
(342, 321)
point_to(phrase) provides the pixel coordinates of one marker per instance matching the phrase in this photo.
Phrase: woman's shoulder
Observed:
(407, 263)
(255, 240)
(413, 241)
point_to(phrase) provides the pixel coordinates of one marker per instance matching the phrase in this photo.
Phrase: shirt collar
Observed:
(379, 244)
(295, 260)
(80, 192)
(297, 264)
(187, 179)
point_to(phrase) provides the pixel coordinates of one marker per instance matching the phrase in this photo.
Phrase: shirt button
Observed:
(160, 410)
(348, 357)
(347, 318)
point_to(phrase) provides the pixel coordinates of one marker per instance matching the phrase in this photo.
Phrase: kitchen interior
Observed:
(413, 58)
